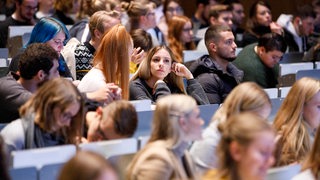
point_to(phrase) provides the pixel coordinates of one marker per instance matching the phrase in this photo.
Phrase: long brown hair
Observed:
(252, 20)
(175, 29)
(56, 93)
(112, 57)
(144, 71)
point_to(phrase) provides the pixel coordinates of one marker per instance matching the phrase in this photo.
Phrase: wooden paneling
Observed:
(278, 7)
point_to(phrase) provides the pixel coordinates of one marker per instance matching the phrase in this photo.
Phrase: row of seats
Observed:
(118, 152)
(45, 163)
(50, 160)
(145, 118)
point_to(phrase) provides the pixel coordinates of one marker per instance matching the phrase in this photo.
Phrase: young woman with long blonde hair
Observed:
(160, 74)
(246, 97)
(297, 121)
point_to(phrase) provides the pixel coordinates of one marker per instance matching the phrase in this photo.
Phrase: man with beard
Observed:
(259, 61)
(38, 63)
(22, 16)
(214, 71)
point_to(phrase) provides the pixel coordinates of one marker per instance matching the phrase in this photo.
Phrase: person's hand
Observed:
(157, 82)
(181, 70)
(117, 94)
(276, 28)
(137, 55)
(81, 139)
(106, 94)
(84, 140)
(316, 47)
(76, 82)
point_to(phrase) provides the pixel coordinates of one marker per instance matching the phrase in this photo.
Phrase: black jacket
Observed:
(216, 83)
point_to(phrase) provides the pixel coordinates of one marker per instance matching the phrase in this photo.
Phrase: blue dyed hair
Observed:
(46, 29)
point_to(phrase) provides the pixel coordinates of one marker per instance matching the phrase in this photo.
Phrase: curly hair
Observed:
(37, 56)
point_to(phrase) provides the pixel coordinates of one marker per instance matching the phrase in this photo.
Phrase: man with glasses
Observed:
(22, 16)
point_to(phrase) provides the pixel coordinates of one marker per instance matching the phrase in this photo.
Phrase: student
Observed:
(160, 74)
(246, 97)
(311, 166)
(142, 43)
(259, 23)
(117, 120)
(297, 121)
(50, 31)
(37, 64)
(298, 27)
(176, 123)
(260, 61)
(141, 15)
(180, 36)
(214, 71)
(111, 65)
(78, 55)
(87, 165)
(80, 29)
(24, 15)
(245, 150)
(200, 18)
(63, 10)
(218, 14)
(237, 19)
(170, 8)
(53, 116)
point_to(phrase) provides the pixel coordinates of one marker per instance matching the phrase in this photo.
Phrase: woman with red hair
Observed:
(180, 36)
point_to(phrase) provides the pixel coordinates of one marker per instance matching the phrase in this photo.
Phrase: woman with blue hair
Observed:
(50, 31)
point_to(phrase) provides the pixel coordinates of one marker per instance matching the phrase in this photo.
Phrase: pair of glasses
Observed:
(150, 14)
(177, 9)
(67, 116)
(187, 29)
(30, 8)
